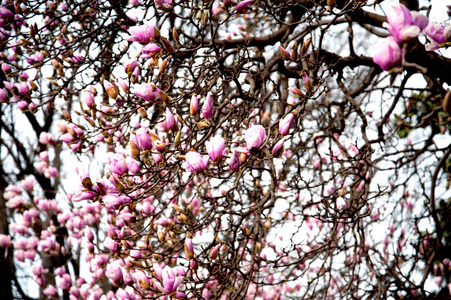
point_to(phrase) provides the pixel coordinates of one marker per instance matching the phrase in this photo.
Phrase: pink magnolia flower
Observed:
(132, 165)
(419, 20)
(388, 54)
(171, 124)
(255, 137)
(6, 68)
(163, 4)
(284, 52)
(22, 88)
(286, 123)
(207, 109)
(215, 148)
(144, 34)
(147, 91)
(5, 240)
(142, 139)
(114, 272)
(196, 162)
(124, 85)
(400, 23)
(150, 50)
(118, 165)
(84, 195)
(50, 291)
(3, 95)
(110, 244)
(5, 15)
(45, 138)
(141, 278)
(240, 7)
(130, 67)
(22, 105)
(434, 31)
(170, 280)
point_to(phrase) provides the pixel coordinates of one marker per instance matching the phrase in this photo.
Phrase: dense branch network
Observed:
(254, 150)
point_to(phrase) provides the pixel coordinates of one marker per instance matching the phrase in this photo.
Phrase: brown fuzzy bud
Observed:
(447, 102)
(203, 124)
(175, 35)
(162, 66)
(199, 15)
(305, 45)
(142, 112)
(134, 151)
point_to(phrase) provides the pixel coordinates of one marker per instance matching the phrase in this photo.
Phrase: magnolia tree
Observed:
(247, 150)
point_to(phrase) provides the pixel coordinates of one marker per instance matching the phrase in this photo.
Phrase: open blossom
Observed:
(142, 140)
(255, 137)
(130, 67)
(150, 50)
(215, 148)
(118, 165)
(147, 91)
(196, 162)
(388, 54)
(163, 4)
(170, 280)
(401, 23)
(144, 34)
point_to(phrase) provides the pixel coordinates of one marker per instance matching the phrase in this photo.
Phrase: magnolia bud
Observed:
(177, 138)
(215, 251)
(161, 236)
(66, 114)
(447, 102)
(142, 112)
(162, 66)
(203, 124)
(134, 150)
(199, 15)
(305, 45)
(175, 35)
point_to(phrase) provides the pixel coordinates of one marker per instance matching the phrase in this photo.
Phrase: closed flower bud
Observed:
(207, 109)
(194, 105)
(189, 249)
(111, 89)
(234, 161)
(285, 124)
(285, 54)
(134, 151)
(215, 251)
(255, 137)
(278, 148)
